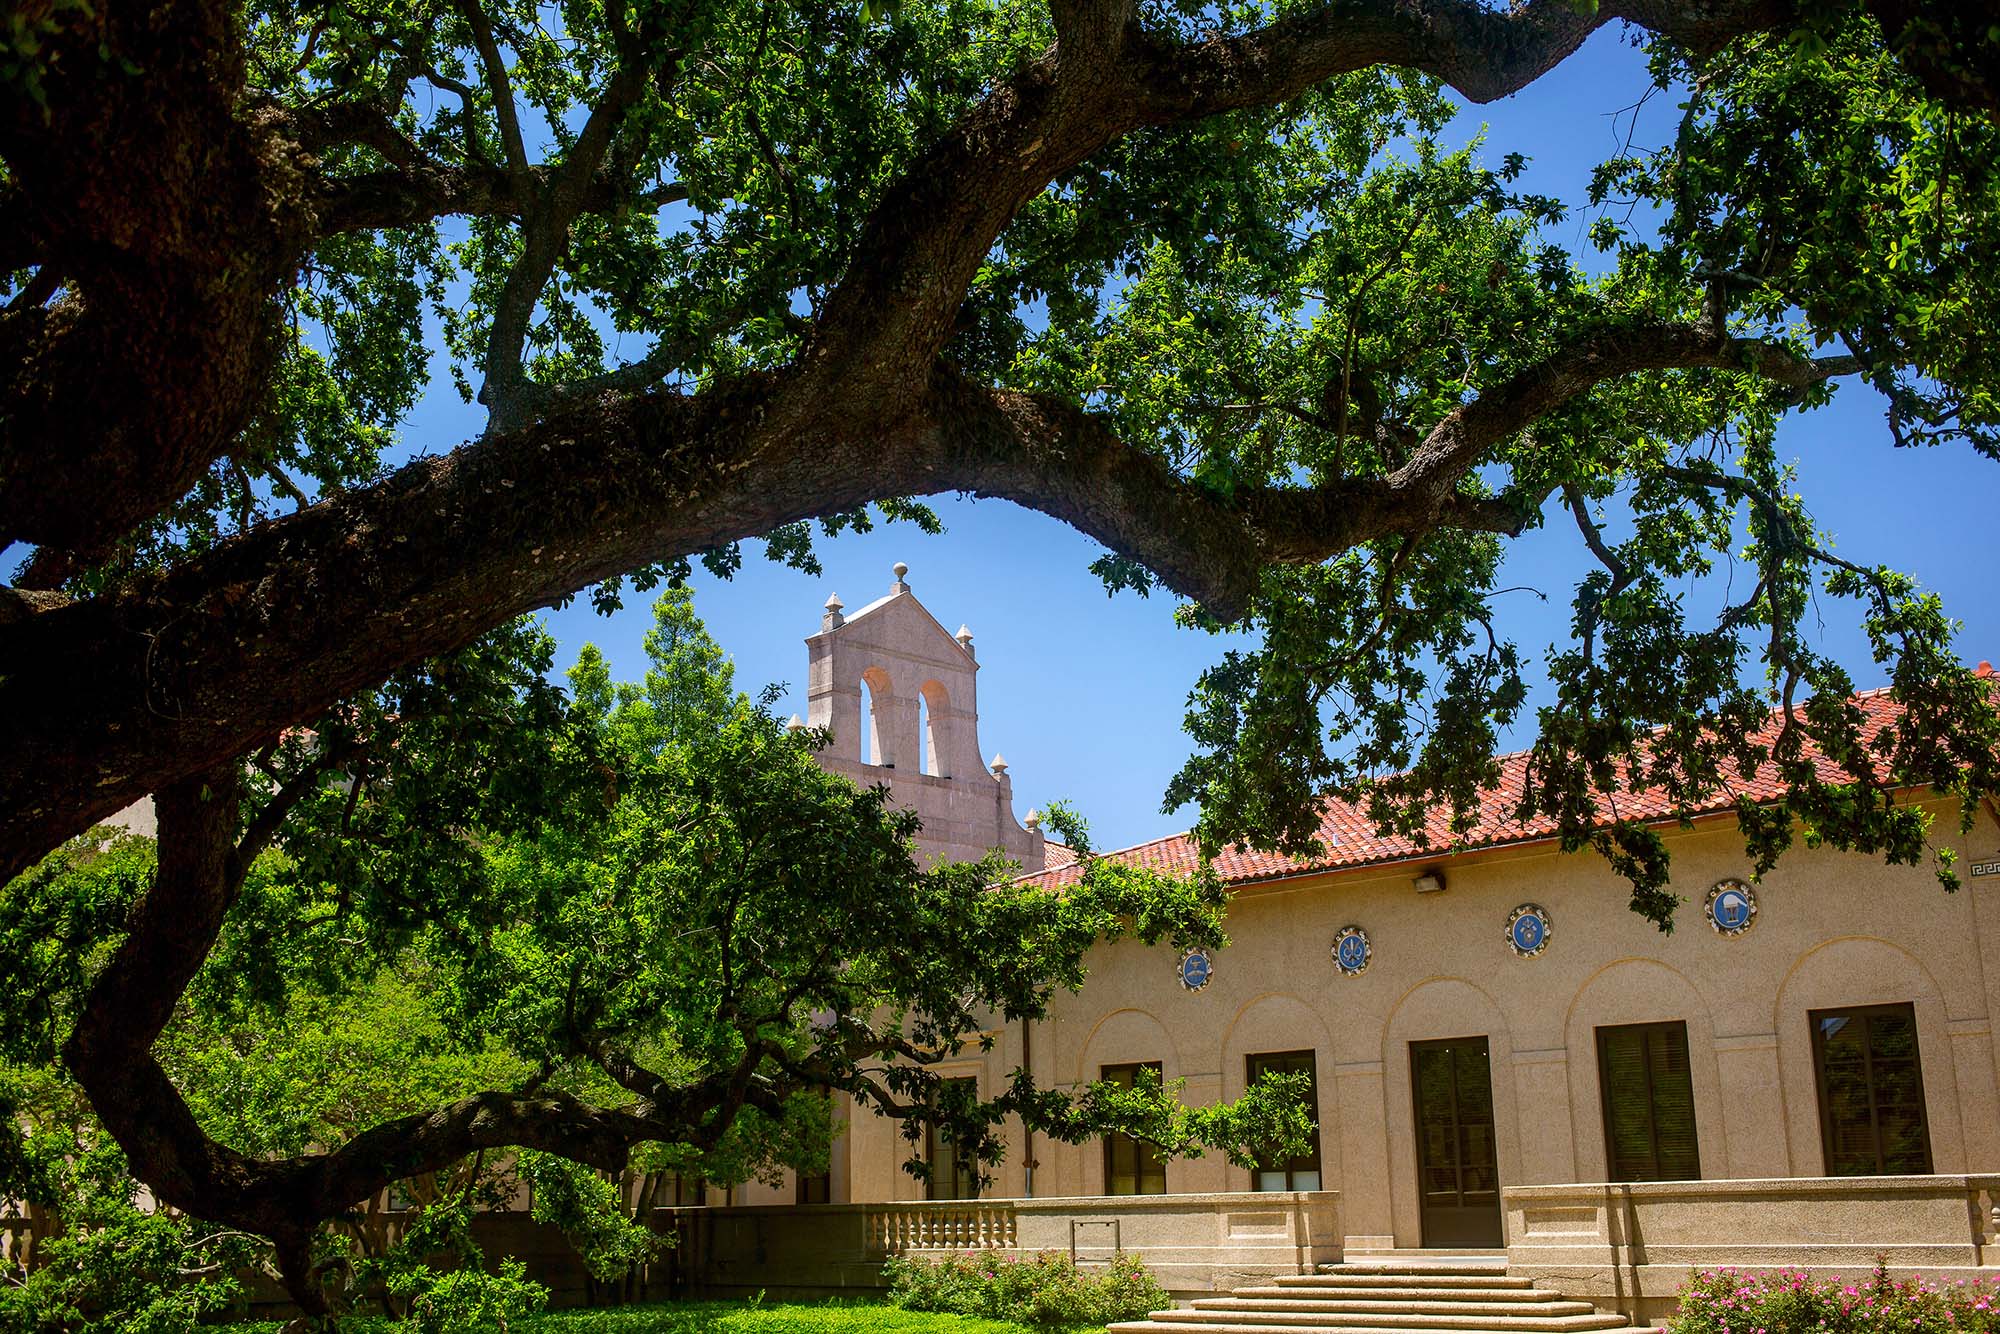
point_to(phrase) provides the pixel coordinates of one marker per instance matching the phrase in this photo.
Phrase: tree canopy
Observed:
(1206, 282)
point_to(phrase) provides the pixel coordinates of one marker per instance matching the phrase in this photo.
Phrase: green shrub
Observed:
(1729, 1301)
(1045, 1290)
(851, 1320)
(469, 1299)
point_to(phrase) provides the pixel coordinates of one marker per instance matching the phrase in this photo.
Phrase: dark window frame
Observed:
(815, 1187)
(1306, 1162)
(1125, 1072)
(1609, 1032)
(964, 1175)
(1866, 1014)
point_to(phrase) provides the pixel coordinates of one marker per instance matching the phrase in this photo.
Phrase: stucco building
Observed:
(1506, 1059)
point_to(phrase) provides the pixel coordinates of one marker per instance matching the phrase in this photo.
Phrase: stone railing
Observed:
(938, 1225)
(1631, 1246)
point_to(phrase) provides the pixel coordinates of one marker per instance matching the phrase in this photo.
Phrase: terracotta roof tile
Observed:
(1349, 838)
(1056, 855)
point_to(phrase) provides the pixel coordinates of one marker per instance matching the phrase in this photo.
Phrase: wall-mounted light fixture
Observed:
(1430, 882)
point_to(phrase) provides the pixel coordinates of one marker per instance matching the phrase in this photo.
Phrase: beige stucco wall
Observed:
(1832, 929)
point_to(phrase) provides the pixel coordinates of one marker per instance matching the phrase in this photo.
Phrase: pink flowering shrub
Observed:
(1046, 1290)
(1731, 1301)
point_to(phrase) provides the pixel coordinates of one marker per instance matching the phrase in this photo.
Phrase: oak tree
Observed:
(472, 921)
(1204, 281)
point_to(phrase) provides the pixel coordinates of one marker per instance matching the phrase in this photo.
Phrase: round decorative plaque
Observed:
(1731, 908)
(1196, 969)
(1528, 930)
(1351, 951)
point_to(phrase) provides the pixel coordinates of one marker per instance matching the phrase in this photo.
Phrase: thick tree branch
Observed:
(174, 215)
(187, 669)
(499, 87)
(1467, 433)
(546, 227)
(200, 664)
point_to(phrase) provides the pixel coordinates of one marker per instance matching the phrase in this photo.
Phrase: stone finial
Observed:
(999, 765)
(797, 724)
(1033, 822)
(833, 620)
(900, 570)
(964, 638)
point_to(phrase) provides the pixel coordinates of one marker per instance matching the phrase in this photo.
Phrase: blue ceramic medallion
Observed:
(1196, 969)
(1351, 951)
(1731, 907)
(1528, 930)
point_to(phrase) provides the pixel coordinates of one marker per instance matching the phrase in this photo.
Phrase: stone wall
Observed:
(1195, 1244)
(1631, 1247)
(1833, 929)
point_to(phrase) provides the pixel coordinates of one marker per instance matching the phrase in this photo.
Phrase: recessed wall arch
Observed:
(1637, 990)
(1864, 970)
(1125, 1036)
(1280, 1021)
(1443, 1007)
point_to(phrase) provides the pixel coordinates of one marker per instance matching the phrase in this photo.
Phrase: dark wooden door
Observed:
(1458, 1170)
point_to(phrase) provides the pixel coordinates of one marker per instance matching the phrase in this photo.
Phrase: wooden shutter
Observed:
(1648, 1095)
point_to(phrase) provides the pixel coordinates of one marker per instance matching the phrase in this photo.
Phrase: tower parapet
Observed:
(899, 695)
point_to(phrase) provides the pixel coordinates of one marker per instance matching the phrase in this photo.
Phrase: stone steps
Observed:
(1444, 1293)
(1400, 1290)
(1152, 1326)
(1585, 1317)
(1513, 1312)
(1441, 1266)
(1375, 1277)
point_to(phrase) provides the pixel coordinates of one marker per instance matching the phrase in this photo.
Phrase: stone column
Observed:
(1365, 1213)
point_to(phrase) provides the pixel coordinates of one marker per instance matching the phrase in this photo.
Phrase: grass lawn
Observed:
(762, 1318)
(730, 1318)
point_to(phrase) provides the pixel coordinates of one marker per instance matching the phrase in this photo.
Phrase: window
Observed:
(1649, 1132)
(1302, 1172)
(1130, 1167)
(816, 1188)
(954, 1175)
(1871, 1091)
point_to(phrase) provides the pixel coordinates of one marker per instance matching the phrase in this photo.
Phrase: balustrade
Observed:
(938, 1225)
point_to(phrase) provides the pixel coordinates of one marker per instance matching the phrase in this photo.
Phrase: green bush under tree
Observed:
(1046, 1290)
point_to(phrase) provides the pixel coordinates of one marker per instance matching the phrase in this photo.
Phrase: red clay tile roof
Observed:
(1056, 855)
(1349, 839)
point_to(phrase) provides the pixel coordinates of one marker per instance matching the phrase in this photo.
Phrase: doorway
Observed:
(1458, 1170)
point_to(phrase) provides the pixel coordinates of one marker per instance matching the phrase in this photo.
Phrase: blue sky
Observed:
(1085, 694)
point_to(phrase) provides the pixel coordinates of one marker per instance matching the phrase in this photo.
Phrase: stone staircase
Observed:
(1457, 1295)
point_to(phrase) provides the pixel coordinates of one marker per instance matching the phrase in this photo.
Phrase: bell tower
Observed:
(899, 693)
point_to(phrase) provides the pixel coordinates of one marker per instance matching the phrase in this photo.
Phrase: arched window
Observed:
(926, 752)
(875, 696)
(932, 725)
